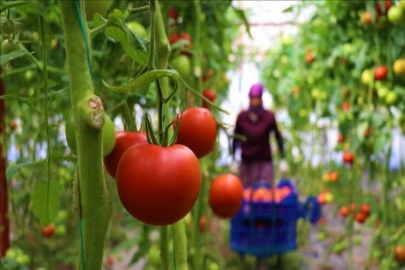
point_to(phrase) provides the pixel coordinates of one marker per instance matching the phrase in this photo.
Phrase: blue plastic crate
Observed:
(268, 228)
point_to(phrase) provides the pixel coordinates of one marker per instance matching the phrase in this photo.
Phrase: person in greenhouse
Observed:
(252, 135)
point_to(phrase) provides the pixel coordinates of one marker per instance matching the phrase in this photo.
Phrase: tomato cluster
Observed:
(360, 216)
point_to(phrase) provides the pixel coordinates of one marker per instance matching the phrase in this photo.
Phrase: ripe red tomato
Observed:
(400, 254)
(226, 195)
(367, 133)
(173, 14)
(48, 231)
(388, 5)
(360, 217)
(210, 95)
(365, 209)
(367, 19)
(309, 58)
(352, 207)
(158, 185)
(322, 199)
(344, 211)
(123, 141)
(173, 38)
(333, 176)
(348, 157)
(110, 261)
(340, 138)
(198, 131)
(203, 221)
(380, 73)
(346, 106)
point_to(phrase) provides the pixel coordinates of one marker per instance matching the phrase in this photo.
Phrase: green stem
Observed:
(95, 201)
(197, 54)
(128, 117)
(46, 111)
(96, 30)
(138, 10)
(164, 247)
(180, 245)
(12, 5)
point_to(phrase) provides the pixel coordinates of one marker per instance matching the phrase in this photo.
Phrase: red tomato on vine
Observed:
(360, 217)
(198, 131)
(210, 95)
(123, 141)
(344, 211)
(380, 73)
(48, 231)
(158, 185)
(348, 157)
(226, 195)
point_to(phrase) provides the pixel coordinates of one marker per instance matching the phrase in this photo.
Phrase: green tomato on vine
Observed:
(137, 29)
(182, 64)
(108, 135)
(92, 7)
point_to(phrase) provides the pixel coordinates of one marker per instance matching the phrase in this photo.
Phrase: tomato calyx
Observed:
(165, 140)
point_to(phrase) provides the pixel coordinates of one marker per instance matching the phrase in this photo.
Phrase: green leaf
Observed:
(12, 169)
(135, 46)
(379, 144)
(145, 79)
(9, 97)
(289, 9)
(361, 129)
(242, 16)
(5, 58)
(46, 200)
(142, 251)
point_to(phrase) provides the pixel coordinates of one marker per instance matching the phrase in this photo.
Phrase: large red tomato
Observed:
(158, 185)
(198, 131)
(123, 141)
(226, 195)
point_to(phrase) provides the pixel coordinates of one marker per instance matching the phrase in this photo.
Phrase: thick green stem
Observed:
(180, 245)
(197, 54)
(95, 201)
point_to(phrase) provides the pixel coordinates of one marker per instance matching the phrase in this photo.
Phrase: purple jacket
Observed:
(257, 146)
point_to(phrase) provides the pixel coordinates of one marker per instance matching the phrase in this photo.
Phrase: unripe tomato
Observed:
(213, 266)
(360, 217)
(198, 131)
(365, 209)
(8, 46)
(108, 135)
(123, 141)
(395, 15)
(92, 7)
(182, 64)
(154, 256)
(48, 231)
(380, 73)
(348, 157)
(366, 77)
(23, 259)
(399, 66)
(60, 230)
(210, 95)
(344, 211)
(391, 98)
(158, 185)
(137, 29)
(225, 196)
(400, 254)
(8, 27)
(382, 92)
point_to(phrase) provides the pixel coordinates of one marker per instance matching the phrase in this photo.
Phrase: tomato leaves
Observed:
(116, 29)
(46, 200)
(145, 79)
(12, 169)
(5, 58)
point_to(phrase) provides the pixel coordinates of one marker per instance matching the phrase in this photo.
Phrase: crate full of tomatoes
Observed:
(266, 222)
